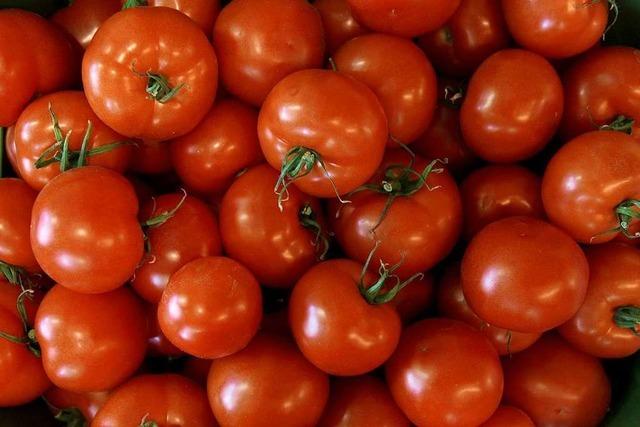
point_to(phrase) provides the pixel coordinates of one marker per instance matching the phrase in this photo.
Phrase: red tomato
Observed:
(523, 274)
(324, 130)
(512, 107)
(475, 31)
(557, 385)
(406, 18)
(165, 400)
(556, 28)
(148, 89)
(87, 403)
(496, 192)
(222, 145)
(269, 383)
(437, 359)
(202, 12)
(85, 232)
(211, 307)
(262, 41)
(359, 402)
(10, 149)
(16, 202)
(509, 416)
(414, 299)
(151, 158)
(157, 343)
(90, 342)
(598, 176)
(82, 18)
(338, 23)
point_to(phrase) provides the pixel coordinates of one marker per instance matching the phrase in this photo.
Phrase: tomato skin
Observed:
(312, 108)
(361, 401)
(251, 389)
(435, 359)
(167, 399)
(509, 416)
(113, 62)
(224, 143)
(556, 29)
(525, 109)
(414, 299)
(591, 174)
(158, 345)
(557, 385)
(253, 39)
(338, 23)
(10, 149)
(88, 403)
(82, 18)
(90, 342)
(333, 324)
(151, 158)
(202, 12)
(475, 31)
(509, 284)
(16, 203)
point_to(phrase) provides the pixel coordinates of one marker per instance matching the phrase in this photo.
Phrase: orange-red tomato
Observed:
(509, 416)
(82, 18)
(202, 12)
(88, 404)
(338, 23)
(16, 203)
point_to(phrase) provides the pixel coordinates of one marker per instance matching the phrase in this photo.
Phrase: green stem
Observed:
(71, 417)
(627, 317)
(134, 3)
(620, 124)
(15, 275)
(308, 219)
(626, 212)
(163, 217)
(29, 339)
(158, 85)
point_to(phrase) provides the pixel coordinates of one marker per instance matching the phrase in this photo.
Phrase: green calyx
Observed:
(626, 212)
(158, 86)
(128, 4)
(15, 275)
(71, 417)
(620, 124)
(158, 220)
(628, 317)
(308, 219)
(29, 338)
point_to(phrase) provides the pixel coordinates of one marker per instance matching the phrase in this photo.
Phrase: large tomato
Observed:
(151, 158)
(338, 23)
(10, 148)
(70, 403)
(82, 18)
(509, 416)
(156, 85)
(16, 202)
(202, 12)
(158, 345)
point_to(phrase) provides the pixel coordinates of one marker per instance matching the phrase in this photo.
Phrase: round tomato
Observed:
(509, 416)
(525, 275)
(82, 18)
(16, 203)
(158, 344)
(10, 148)
(70, 403)
(202, 12)
(338, 23)
(151, 158)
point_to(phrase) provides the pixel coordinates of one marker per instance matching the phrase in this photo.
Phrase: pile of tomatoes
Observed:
(336, 213)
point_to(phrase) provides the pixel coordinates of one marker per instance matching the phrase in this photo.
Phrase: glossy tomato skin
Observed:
(151, 158)
(557, 385)
(474, 32)
(90, 342)
(436, 358)
(251, 388)
(591, 174)
(88, 403)
(224, 143)
(361, 401)
(255, 42)
(10, 149)
(334, 325)
(556, 29)
(16, 203)
(614, 282)
(81, 242)
(338, 23)
(158, 345)
(523, 274)
(499, 191)
(202, 12)
(274, 245)
(513, 106)
(509, 416)
(113, 63)
(166, 399)
(333, 114)
(82, 18)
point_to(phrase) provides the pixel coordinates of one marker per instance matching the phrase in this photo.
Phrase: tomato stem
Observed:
(134, 3)
(165, 216)
(626, 212)
(620, 124)
(147, 423)
(29, 339)
(308, 219)
(15, 275)
(71, 417)
(628, 317)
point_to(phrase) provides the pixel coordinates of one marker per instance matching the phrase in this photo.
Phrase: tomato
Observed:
(35, 132)
(157, 343)
(202, 12)
(87, 403)
(211, 307)
(325, 130)
(338, 23)
(406, 18)
(512, 107)
(414, 299)
(156, 85)
(509, 416)
(592, 184)
(419, 228)
(557, 385)
(474, 32)
(165, 400)
(10, 148)
(496, 192)
(361, 401)
(437, 359)
(82, 18)
(90, 342)
(260, 42)
(222, 145)
(556, 29)
(525, 275)
(16, 202)
(192, 232)
(269, 383)
(151, 158)
(84, 230)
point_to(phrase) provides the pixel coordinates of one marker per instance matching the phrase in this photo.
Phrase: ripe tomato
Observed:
(164, 400)
(496, 192)
(406, 18)
(223, 144)
(10, 149)
(211, 307)
(598, 176)
(361, 401)
(414, 299)
(325, 130)
(557, 385)
(556, 28)
(16, 202)
(512, 107)
(262, 41)
(202, 12)
(253, 387)
(474, 32)
(158, 344)
(509, 416)
(90, 342)
(435, 360)
(338, 23)
(87, 403)
(151, 158)
(144, 88)
(82, 18)
(80, 241)
(523, 274)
